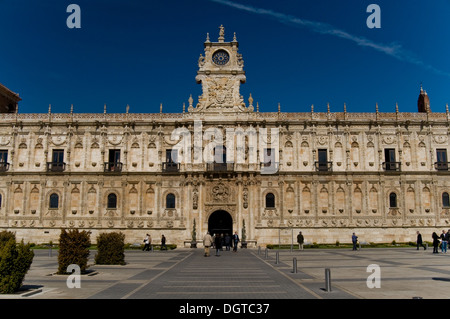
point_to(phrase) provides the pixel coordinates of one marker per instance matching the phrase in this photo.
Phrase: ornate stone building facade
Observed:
(328, 174)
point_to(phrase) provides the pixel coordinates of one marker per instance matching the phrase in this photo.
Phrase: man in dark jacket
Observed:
(218, 244)
(300, 240)
(235, 241)
(419, 241)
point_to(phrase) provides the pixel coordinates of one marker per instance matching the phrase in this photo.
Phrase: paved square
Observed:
(405, 273)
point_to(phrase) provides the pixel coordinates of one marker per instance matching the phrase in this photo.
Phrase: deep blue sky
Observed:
(144, 53)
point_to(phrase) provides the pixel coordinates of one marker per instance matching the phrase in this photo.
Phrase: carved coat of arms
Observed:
(220, 193)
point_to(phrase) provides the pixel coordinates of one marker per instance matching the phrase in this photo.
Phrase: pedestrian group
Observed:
(441, 241)
(148, 243)
(218, 241)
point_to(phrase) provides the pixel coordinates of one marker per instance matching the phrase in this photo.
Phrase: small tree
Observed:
(73, 249)
(15, 261)
(244, 235)
(111, 249)
(194, 236)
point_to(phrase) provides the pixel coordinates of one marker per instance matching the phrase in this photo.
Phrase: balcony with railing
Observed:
(4, 166)
(442, 166)
(113, 167)
(170, 167)
(323, 166)
(219, 167)
(392, 166)
(56, 167)
(269, 167)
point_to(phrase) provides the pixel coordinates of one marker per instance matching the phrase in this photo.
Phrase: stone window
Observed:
(3, 156)
(112, 201)
(170, 201)
(54, 201)
(270, 200)
(269, 157)
(393, 200)
(445, 200)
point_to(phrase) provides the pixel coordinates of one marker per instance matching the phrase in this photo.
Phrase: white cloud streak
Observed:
(394, 50)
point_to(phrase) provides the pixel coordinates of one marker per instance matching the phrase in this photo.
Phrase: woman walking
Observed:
(435, 243)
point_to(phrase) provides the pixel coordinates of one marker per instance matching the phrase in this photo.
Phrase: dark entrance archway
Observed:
(220, 222)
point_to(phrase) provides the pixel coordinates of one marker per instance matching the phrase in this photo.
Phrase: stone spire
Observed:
(423, 102)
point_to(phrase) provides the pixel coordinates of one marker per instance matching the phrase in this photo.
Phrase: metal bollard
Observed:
(267, 253)
(328, 279)
(277, 258)
(259, 250)
(50, 251)
(294, 265)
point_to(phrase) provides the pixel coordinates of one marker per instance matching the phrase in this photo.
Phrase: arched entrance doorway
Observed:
(220, 222)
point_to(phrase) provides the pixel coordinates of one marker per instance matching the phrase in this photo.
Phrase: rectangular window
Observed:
(323, 156)
(3, 156)
(220, 154)
(113, 164)
(389, 155)
(322, 164)
(114, 156)
(57, 164)
(269, 157)
(58, 156)
(390, 163)
(4, 160)
(442, 160)
(441, 155)
(171, 156)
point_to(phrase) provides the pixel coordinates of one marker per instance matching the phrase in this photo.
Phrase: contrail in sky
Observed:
(393, 50)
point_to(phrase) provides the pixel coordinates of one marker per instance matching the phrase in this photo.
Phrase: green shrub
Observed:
(111, 248)
(73, 249)
(15, 261)
(5, 236)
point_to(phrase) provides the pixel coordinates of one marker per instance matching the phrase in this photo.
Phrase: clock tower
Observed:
(221, 72)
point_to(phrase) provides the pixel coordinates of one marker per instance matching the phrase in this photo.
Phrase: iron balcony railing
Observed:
(4, 166)
(323, 166)
(392, 166)
(56, 167)
(170, 167)
(441, 166)
(219, 167)
(113, 167)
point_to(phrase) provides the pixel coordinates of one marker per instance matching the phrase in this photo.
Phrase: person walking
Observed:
(147, 242)
(163, 243)
(235, 241)
(354, 241)
(207, 242)
(218, 244)
(420, 242)
(448, 237)
(227, 241)
(435, 243)
(444, 241)
(300, 240)
(222, 241)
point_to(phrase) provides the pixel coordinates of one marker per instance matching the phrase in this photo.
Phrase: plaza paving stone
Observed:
(248, 274)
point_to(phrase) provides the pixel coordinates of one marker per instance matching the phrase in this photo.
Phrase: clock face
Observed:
(220, 57)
